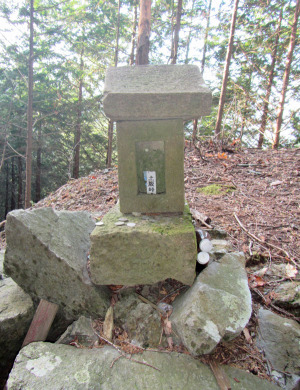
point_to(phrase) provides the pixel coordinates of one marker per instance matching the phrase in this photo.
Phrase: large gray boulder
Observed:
(56, 366)
(217, 307)
(16, 312)
(47, 255)
(279, 339)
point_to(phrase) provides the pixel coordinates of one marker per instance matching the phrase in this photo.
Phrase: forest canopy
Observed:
(70, 44)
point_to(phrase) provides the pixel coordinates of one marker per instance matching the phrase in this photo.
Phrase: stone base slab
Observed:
(155, 249)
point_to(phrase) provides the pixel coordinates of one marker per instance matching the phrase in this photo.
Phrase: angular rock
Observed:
(16, 312)
(154, 250)
(47, 254)
(141, 322)
(155, 92)
(220, 248)
(81, 331)
(279, 338)
(288, 296)
(55, 366)
(217, 307)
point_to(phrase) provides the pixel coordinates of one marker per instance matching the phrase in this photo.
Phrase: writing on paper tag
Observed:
(150, 179)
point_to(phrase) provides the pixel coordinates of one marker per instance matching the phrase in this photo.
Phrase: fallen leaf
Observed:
(222, 156)
(255, 281)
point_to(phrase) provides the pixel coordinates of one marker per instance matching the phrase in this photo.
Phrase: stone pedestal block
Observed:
(155, 92)
(155, 249)
(151, 146)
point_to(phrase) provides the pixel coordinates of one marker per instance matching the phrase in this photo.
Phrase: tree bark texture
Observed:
(143, 42)
(205, 37)
(286, 75)
(20, 182)
(110, 131)
(78, 121)
(109, 145)
(29, 113)
(38, 166)
(133, 35)
(13, 185)
(174, 51)
(6, 206)
(269, 86)
(226, 70)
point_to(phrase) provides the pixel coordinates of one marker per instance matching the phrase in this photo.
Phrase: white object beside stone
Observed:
(206, 245)
(131, 224)
(123, 219)
(203, 258)
(120, 223)
(99, 223)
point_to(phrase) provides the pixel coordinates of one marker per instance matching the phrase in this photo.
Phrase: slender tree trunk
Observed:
(195, 127)
(6, 189)
(269, 86)
(286, 75)
(174, 50)
(77, 137)
(29, 113)
(226, 70)
(188, 42)
(133, 35)
(109, 144)
(110, 131)
(13, 185)
(20, 182)
(206, 37)
(38, 166)
(143, 43)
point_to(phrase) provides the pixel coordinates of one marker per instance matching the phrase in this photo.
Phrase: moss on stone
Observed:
(216, 189)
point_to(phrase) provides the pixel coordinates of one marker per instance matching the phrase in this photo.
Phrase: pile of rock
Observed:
(47, 255)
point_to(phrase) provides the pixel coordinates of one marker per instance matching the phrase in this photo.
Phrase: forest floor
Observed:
(254, 195)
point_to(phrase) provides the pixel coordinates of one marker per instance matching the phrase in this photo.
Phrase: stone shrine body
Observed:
(149, 104)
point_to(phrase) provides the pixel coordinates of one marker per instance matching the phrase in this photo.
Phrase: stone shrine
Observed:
(149, 104)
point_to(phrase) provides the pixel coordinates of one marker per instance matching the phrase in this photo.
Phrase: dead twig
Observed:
(123, 354)
(201, 218)
(264, 243)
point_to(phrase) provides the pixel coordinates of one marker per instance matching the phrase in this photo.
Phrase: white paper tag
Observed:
(150, 182)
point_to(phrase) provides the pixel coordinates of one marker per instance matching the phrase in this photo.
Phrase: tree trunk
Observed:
(143, 43)
(205, 37)
(133, 35)
(110, 131)
(109, 145)
(20, 182)
(78, 121)
(29, 113)
(13, 185)
(174, 51)
(195, 126)
(188, 42)
(286, 75)
(269, 86)
(6, 189)
(38, 167)
(226, 70)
